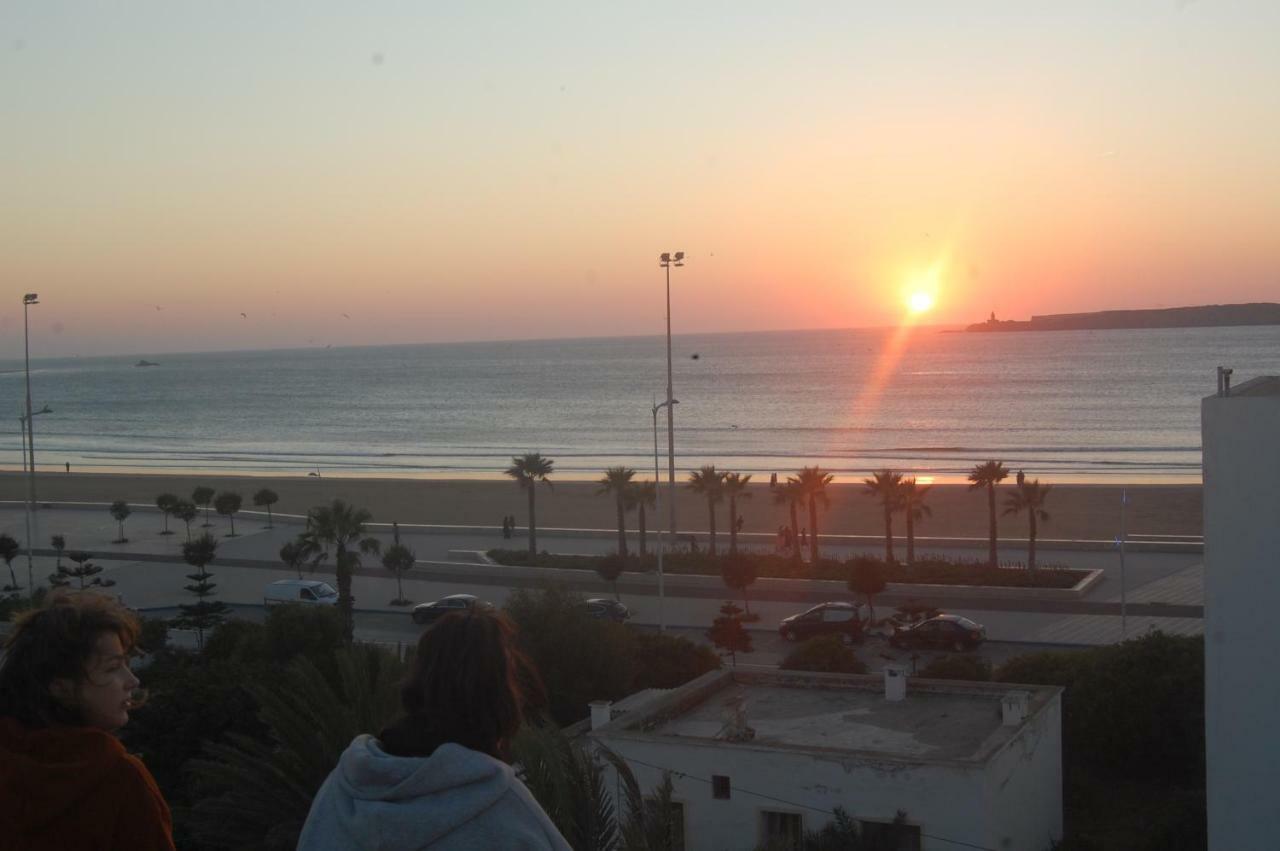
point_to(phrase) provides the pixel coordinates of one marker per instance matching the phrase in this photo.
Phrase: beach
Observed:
(1077, 512)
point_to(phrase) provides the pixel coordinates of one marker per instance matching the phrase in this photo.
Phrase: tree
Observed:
(792, 494)
(165, 502)
(609, 568)
(203, 496)
(342, 527)
(204, 614)
(641, 496)
(617, 481)
(185, 510)
(8, 552)
(295, 554)
(824, 653)
(885, 486)
(1029, 497)
(735, 488)
(59, 543)
(739, 573)
(227, 504)
(267, 497)
(527, 470)
(708, 482)
(986, 476)
(813, 482)
(120, 511)
(912, 503)
(82, 571)
(398, 559)
(728, 634)
(866, 577)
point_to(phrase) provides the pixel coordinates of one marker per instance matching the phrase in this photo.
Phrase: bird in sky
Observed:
(244, 315)
(345, 316)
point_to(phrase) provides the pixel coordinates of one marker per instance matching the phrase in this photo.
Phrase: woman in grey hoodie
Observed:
(438, 777)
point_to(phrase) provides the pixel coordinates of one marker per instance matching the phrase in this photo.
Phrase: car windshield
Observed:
(324, 589)
(966, 623)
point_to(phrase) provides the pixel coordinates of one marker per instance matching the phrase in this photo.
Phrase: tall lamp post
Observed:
(666, 261)
(662, 535)
(25, 420)
(28, 300)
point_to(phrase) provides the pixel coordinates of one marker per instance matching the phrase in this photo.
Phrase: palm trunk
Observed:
(232, 519)
(711, 513)
(121, 530)
(733, 526)
(399, 587)
(643, 551)
(1031, 543)
(813, 530)
(533, 529)
(795, 534)
(207, 524)
(166, 522)
(888, 536)
(271, 524)
(188, 524)
(622, 527)
(991, 509)
(346, 605)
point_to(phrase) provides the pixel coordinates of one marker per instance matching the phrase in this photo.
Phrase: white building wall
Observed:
(1024, 786)
(943, 799)
(1241, 439)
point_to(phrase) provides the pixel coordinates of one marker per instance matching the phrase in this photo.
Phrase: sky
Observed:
(202, 176)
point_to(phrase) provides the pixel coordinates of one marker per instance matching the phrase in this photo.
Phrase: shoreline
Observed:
(1077, 511)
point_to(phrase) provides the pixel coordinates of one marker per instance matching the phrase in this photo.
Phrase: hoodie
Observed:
(456, 798)
(76, 789)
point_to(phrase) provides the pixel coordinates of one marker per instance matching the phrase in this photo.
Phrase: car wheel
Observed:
(789, 635)
(958, 646)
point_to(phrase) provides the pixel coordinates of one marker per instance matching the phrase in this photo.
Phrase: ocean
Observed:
(1070, 406)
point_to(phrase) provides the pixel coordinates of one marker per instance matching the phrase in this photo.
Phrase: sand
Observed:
(1076, 511)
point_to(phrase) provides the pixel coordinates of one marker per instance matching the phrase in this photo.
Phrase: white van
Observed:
(312, 592)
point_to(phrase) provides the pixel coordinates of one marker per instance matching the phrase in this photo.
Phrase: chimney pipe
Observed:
(601, 713)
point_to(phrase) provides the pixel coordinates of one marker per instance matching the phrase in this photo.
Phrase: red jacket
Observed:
(76, 789)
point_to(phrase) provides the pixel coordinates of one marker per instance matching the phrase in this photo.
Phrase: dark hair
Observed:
(469, 684)
(57, 642)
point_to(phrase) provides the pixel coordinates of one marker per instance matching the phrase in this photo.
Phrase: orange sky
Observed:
(468, 175)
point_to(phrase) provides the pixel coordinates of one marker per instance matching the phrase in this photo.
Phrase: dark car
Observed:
(842, 619)
(603, 608)
(951, 632)
(432, 612)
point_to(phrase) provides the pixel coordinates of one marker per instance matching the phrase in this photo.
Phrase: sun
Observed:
(920, 301)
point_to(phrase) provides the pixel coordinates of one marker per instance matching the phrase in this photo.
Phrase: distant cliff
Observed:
(1208, 315)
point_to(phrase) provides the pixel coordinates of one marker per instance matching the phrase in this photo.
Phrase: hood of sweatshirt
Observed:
(47, 773)
(410, 802)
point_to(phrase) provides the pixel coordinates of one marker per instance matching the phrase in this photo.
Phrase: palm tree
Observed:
(59, 543)
(8, 552)
(617, 481)
(228, 503)
(120, 510)
(342, 527)
(202, 496)
(1029, 497)
(527, 470)
(709, 482)
(792, 494)
(267, 497)
(185, 510)
(813, 481)
(641, 496)
(885, 486)
(399, 559)
(988, 475)
(912, 503)
(735, 487)
(165, 502)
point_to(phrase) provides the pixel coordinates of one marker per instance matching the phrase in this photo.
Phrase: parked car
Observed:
(311, 592)
(602, 608)
(432, 612)
(843, 619)
(951, 632)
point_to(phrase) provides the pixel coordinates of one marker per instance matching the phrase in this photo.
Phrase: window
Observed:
(720, 787)
(307, 595)
(891, 836)
(780, 830)
(837, 615)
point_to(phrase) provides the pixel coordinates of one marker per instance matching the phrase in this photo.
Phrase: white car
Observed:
(311, 592)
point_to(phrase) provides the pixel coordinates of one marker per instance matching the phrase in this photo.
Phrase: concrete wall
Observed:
(1241, 438)
(1024, 785)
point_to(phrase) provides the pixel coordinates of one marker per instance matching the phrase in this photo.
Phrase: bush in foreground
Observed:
(825, 653)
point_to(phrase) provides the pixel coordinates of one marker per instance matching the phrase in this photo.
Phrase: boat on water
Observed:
(145, 362)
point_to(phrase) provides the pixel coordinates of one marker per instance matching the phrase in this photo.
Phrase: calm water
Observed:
(1067, 406)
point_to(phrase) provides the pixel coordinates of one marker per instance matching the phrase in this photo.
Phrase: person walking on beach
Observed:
(438, 777)
(66, 782)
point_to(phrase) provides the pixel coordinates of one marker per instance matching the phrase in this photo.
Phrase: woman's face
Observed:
(103, 695)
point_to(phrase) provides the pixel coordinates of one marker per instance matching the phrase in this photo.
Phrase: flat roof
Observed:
(938, 720)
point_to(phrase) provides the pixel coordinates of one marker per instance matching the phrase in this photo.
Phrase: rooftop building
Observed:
(762, 757)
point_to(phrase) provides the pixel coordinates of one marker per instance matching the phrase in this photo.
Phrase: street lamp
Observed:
(25, 421)
(28, 300)
(662, 536)
(666, 261)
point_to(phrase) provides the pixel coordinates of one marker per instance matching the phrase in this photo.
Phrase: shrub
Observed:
(824, 653)
(667, 661)
(154, 635)
(973, 668)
